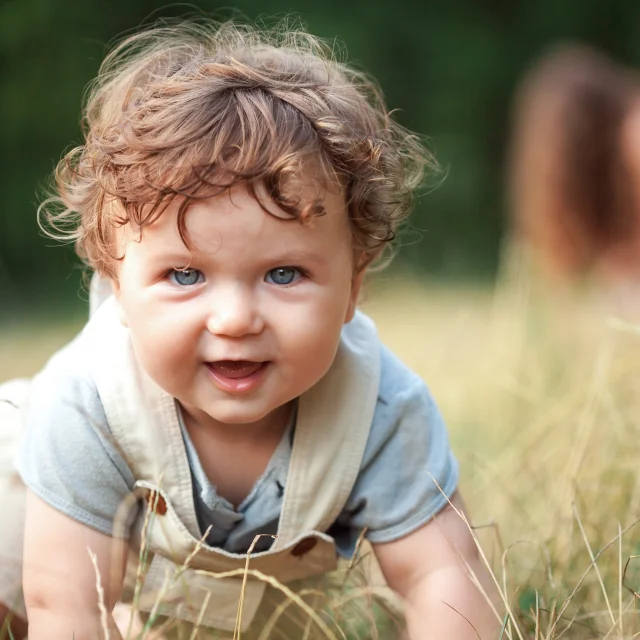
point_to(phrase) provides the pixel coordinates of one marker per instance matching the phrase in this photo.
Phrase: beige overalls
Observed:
(334, 419)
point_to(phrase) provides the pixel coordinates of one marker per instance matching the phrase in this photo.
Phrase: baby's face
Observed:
(250, 317)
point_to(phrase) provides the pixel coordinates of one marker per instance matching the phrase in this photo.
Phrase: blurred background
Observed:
(449, 68)
(538, 383)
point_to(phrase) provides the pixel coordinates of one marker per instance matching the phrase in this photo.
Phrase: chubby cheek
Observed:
(310, 347)
(169, 366)
(165, 348)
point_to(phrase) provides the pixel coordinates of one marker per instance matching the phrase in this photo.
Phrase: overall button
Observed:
(156, 502)
(304, 546)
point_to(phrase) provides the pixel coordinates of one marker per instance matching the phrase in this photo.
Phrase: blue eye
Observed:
(283, 275)
(186, 277)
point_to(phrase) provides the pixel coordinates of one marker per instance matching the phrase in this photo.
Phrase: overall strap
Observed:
(142, 417)
(334, 420)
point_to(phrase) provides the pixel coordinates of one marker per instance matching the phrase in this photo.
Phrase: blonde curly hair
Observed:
(187, 110)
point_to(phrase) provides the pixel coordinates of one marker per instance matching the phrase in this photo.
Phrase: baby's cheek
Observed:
(314, 352)
(163, 352)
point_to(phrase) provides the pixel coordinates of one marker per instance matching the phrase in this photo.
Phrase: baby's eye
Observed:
(186, 277)
(283, 275)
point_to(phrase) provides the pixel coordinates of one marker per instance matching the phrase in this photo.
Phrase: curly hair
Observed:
(187, 110)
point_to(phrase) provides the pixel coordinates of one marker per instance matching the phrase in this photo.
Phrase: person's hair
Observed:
(186, 110)
(572, 192)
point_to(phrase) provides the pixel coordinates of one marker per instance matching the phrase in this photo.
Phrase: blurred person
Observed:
(574, 169)
(233, 188)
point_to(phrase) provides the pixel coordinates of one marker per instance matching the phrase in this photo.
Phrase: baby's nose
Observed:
(234, 314)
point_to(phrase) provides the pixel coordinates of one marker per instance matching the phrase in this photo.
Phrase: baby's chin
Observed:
(244, 417)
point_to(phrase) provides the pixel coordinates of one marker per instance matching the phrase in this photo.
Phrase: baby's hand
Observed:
(60, 577)
(128, 622)
(429, 568)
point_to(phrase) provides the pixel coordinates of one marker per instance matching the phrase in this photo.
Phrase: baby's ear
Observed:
(122, 316)
(356, 284)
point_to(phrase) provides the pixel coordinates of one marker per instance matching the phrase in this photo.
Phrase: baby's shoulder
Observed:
(397, 380)
(405, 408)
(68, 371)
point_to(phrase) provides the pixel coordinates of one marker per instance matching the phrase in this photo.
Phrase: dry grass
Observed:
(542, 396)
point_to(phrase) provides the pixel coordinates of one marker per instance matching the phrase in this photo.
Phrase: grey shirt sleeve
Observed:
(67, 456)
(408, 469)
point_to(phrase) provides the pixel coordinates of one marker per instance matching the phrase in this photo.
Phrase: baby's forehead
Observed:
(251, 210)
(246, 214)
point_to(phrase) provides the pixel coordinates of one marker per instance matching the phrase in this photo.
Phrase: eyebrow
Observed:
(172, 256)
(180, 258)
(293, 257)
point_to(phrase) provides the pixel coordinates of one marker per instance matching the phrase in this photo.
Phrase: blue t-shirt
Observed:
(68, 458)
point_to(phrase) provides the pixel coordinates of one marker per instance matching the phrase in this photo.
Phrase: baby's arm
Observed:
(428, 568)
(77, 479)
(59, 578)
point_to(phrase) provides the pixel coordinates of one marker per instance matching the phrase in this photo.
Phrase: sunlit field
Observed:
(542, 396)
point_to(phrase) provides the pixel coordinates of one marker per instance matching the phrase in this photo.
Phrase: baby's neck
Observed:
(234, 456)
(270, 425)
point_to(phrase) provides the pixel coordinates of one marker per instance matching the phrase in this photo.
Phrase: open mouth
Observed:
(236, 375)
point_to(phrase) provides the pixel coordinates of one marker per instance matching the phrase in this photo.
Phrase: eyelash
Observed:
(302, 274)
(170, 275)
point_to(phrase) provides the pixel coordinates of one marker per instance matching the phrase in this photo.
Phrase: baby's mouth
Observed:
(235, 369)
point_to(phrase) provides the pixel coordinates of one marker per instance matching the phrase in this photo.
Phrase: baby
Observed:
(228, 399)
